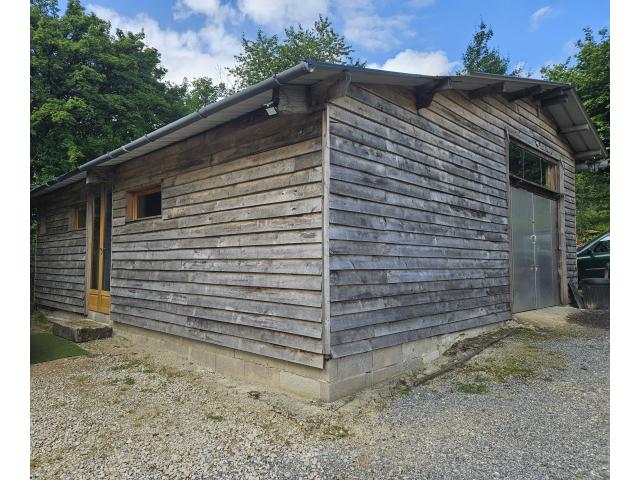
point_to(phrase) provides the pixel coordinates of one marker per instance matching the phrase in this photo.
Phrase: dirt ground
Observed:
(533, 405)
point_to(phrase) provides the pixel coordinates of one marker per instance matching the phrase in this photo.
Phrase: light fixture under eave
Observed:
(271, 108)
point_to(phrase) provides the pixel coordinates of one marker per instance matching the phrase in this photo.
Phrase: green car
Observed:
(593, 259)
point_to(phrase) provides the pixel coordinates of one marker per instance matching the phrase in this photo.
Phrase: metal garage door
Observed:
(533, 251)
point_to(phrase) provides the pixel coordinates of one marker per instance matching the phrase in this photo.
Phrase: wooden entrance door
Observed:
(100, 252)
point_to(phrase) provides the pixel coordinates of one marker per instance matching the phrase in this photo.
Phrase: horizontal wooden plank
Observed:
(275, 224)
(380, 222)
(209, 296)
(238, 343)
(297, 282)
(233, 323)
(291, 237)
(282, 266)
(413, 335)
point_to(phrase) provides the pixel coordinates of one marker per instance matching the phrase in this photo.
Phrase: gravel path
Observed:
(535, 405)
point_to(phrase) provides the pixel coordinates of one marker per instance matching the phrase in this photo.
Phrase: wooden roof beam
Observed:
(292, 99)
(554, 92)
(576, 128)
(522, 93)
(588, 155)
(331, 88)
(424, 94)
(493, 89)
(557, 100)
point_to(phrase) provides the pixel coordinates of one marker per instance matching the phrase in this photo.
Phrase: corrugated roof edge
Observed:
(278, 79)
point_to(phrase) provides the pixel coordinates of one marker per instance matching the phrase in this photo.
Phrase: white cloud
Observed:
(205, 52)
(425, 63)
(274, 15)
(536, 17)
(364, 27)
(210, 8)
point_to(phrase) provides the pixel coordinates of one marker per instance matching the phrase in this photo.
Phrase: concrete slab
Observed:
(549, 315)
(79, 330)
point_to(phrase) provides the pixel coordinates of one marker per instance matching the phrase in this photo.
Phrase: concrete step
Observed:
(79, 329)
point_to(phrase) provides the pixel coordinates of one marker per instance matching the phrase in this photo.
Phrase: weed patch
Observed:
(337, 431)
(404, 390)
(472, 388)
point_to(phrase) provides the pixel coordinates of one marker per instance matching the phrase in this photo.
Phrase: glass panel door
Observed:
(106, 248)
(100, 252)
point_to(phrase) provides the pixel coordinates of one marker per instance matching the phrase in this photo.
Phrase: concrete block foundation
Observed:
(339, 377)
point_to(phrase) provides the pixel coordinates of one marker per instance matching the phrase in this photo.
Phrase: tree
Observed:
(91, 91)
(266, 55)
(199, 92)
(478, 57)
(588, 71)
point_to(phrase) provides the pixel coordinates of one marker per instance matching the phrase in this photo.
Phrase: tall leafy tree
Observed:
(266, 55)
(588, 71)
(480, 57)
(91, 90)
(199, 92)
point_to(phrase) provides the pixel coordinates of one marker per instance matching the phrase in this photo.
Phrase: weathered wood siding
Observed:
(419, 234)
(236, 259)
(59, 281)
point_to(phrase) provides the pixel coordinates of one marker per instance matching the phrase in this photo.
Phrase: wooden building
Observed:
(327, 228)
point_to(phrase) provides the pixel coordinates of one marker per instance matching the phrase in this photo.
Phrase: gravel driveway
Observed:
(535, 405)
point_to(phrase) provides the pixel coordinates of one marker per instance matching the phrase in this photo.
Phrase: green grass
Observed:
(474, 388)
(46, 347)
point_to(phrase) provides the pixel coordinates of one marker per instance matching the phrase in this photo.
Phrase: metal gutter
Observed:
(57, 181)
(277, 80)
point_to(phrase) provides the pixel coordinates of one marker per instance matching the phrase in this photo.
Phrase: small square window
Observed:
(145, 203)
(78, 218)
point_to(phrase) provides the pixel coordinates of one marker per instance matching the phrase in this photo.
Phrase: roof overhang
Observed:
(569, 114)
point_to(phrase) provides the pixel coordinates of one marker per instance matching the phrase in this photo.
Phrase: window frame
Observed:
(133, 200)
(42, 224)
(74, 217)
(517, 180)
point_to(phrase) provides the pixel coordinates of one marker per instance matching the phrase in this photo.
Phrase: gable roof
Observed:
(569, 114)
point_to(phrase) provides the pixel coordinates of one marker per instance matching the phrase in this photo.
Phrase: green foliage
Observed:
(91, 91)
(480, 58)
(266, 55)
(592, 205)
(588, 71)
(199, 92)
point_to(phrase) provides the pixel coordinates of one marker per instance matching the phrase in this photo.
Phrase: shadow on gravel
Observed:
(591, 318)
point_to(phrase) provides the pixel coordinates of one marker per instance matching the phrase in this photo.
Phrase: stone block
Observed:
(231, 366)
(203, 356)
(387, 356)
(80, 330)
(262, 374)
(302, 386)
(348, 386)
(354, 365)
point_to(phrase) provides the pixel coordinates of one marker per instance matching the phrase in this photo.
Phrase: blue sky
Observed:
(200, 37)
